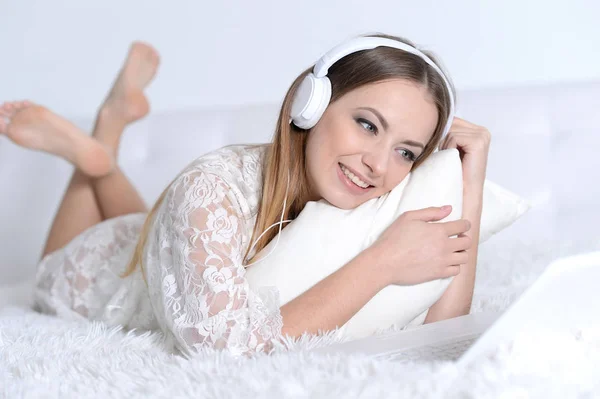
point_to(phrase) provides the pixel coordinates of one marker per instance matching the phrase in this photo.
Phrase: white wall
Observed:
(64, 53)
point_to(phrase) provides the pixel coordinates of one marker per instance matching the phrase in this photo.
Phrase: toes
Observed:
(22, 104)
(8, 109)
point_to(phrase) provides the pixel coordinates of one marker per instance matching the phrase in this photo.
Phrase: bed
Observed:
(544, 141)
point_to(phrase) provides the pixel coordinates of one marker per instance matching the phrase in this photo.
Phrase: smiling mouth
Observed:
(351, 182)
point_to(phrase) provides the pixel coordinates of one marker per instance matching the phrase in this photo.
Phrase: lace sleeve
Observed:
(195, 273)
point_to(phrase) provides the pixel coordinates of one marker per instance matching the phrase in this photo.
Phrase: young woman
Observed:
(180, 267)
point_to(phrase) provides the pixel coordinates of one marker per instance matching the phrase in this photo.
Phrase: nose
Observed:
(376, 159)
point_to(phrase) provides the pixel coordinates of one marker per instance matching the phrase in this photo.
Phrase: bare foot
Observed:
(37, 128)
(126, 100)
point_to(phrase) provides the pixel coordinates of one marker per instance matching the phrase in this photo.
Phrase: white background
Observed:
(64, 53)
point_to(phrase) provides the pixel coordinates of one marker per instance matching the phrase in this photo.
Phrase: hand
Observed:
(412, 251)
(473, 144)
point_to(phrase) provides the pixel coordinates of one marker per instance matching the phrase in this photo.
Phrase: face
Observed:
(374, 132)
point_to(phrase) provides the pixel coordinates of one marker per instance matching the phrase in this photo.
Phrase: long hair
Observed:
(286, 152)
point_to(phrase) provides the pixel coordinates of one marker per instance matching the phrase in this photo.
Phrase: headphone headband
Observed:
(313, 94)
(366, 43)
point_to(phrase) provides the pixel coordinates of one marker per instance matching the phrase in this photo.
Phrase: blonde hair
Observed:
(286, 152)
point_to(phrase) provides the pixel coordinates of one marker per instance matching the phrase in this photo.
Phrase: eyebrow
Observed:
(386, 125)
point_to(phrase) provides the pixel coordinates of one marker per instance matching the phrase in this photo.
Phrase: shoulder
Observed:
(230, 158)
(238, 166)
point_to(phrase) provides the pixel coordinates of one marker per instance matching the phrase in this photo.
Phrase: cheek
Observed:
(348, 135)
(326, 143)
(315, 149)
(317, 156)
(393, 181)
(338, 131)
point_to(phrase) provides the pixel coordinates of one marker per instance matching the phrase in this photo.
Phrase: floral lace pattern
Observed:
(193, 261)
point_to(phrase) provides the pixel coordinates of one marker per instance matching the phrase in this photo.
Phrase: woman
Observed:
(180, 267)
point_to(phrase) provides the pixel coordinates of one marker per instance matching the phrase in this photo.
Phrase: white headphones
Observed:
(314, 93)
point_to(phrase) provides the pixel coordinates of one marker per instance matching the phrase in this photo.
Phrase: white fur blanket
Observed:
(42, 356)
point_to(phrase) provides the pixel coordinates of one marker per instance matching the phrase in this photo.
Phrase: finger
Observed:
(458, 258)
(450, 136)
(451, 143)
(459, 139)
(450, 271)
(430, 214)
(463, 122)
(456, 227)
(456, 121)
(464, 140)
(460, 243)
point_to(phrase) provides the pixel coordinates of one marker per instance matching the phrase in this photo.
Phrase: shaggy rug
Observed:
(43, 356)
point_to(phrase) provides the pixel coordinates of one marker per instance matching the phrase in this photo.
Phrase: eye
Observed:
(367, 125)
(409, 155)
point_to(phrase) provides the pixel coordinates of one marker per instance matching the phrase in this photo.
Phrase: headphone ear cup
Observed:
(310, 101)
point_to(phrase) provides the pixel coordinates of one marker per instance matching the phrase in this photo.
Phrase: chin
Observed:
(345, 202)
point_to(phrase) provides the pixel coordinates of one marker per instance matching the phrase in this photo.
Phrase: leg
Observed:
(37, 128)
(113, 193)
(99, 193)
(125, 103)
(78, 211)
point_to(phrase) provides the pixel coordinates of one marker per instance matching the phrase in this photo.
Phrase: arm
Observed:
(193, 263)
(473, 142)
(456, 300)
(197, 282)
(335, 299)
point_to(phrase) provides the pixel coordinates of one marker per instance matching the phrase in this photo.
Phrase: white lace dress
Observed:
(197, 293)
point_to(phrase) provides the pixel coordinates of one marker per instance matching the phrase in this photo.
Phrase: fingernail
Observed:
(446, 207)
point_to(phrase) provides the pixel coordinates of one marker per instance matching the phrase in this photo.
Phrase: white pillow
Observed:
(323, 238)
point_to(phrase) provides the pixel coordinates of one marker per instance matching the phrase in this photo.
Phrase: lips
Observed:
(350, 186)
(355, 174)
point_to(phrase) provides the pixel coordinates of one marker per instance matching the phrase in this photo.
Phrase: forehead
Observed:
(408, 107)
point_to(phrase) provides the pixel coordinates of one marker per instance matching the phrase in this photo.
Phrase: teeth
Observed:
(354, 178)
